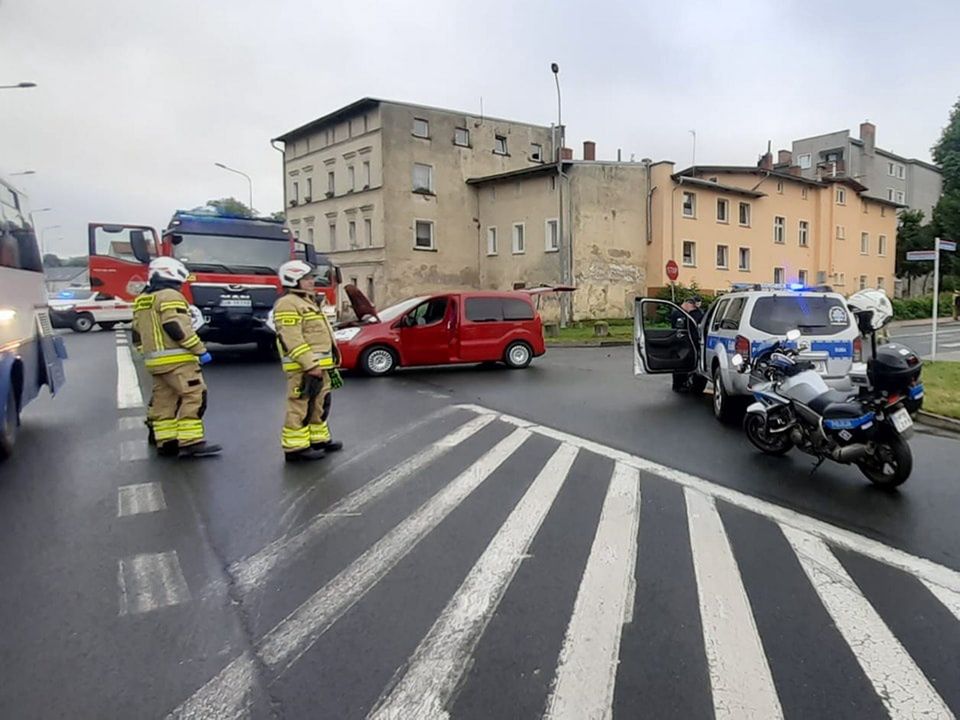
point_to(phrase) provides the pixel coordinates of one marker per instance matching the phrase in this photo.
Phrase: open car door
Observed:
(666, 338)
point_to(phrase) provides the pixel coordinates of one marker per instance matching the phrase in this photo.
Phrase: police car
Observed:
(81, 308)
(743, 321)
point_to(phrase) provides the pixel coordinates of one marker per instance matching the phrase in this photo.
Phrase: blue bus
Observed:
(30, 355)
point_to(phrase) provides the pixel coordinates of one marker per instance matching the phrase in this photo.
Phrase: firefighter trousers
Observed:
(178, 404)
(305, 422)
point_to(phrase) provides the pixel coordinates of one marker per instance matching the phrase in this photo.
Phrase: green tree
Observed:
(51, 261)
(231, 206)
(278, 215)
(946, 214)
(912, 234)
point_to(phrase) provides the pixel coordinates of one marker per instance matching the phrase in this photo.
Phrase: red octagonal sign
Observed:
(673, 272)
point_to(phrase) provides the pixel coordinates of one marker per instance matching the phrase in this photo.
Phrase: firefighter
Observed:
(309, 356)
(141, 306)
(173, 354)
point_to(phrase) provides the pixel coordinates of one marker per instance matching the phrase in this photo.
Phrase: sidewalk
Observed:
(943, 322)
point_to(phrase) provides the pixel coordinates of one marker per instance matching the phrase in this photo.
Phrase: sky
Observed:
(137, 99)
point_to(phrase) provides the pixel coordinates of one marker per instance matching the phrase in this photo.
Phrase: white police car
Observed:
(742, 321)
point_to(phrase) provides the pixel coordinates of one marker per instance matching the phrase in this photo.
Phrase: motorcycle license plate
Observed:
(902, 420)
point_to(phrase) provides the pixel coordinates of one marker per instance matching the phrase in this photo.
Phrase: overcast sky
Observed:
(138, 98)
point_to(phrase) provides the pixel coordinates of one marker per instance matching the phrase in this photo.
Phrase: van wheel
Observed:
(8, 430)
(726, 408)
(82, 323)
(378, 361)
(518, 355)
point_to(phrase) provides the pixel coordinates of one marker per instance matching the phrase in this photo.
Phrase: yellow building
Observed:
(728, 224)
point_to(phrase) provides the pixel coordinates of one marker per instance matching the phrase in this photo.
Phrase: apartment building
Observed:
(381, 187)
(730, 224)
(886, 175)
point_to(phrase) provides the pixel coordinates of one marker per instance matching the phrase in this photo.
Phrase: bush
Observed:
(921, 308)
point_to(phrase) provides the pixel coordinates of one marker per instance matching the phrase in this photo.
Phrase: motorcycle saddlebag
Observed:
(894, 368)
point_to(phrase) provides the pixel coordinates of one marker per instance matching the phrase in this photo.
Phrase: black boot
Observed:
(170, 448)
(200, 449)
(151, 438)
(328, 446)
(305, 455)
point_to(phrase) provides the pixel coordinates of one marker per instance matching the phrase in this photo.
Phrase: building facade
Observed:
(886, 175)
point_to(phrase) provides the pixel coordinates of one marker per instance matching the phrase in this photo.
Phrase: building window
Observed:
(841, 278)
(723, 210)
(890, 194)
(422, 178)
(779, 229)
(723, 257)
(803, 233)
(351, 178)
(421, 128)
(461, 137)
(536, 152)
(310, 236)
(863, 207)
(491, 241)
(352, 233)
(864, 243)
(295, 195)
(881, 283)
(370, 295)
(802, 277)
(901, 172)
(689, 253)
(519, 242)
(744, 261)
(331, 183)
(890, 169)
(883, 211)
(863, 282)
(552, 236)
(689, 204)
(309, 195)
(841, 232)
(841, 196)
(333, 236)
(780, 186)
(366, 123)
(803, 193)
(779, 276)
(745, 214)
(368, 231)
(366, 174)
(804, 161)
(882, 245)
(423, 235)
(500, 145)
(900, 196)
(821, 277)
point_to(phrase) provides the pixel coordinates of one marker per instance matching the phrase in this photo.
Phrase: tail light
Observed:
(858, 350)
(741, 346)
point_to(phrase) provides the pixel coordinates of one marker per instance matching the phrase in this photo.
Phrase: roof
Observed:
(731, 189)
(368, 103)
(747, 169)
(204, 224)
(64, 273)
(544, 169)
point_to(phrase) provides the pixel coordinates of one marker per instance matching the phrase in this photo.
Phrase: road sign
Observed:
(920, 255)
(673, 271)
(948, 245)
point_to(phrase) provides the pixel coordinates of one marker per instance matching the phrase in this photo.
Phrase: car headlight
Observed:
(346, 335)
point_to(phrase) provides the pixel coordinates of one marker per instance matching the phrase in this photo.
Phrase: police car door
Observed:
(665, 338)
(711, 334)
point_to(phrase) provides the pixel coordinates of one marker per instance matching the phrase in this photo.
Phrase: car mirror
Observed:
(793, 335)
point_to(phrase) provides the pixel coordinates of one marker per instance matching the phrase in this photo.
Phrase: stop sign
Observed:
(673, 272)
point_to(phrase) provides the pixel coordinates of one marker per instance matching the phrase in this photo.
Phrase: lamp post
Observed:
(238, 172)
(565, 253)
(43, 233)
(18, 86)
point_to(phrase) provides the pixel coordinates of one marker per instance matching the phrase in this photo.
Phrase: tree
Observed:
(51, 261)
(946, 214)
(278, 215)
(231, 206)
(912, 234)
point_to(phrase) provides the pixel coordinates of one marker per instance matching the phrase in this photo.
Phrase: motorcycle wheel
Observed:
(755, 426)
(892, 464)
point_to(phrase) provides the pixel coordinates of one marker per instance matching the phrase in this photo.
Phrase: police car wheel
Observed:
(82, 323)
(378, 361)
(8, 430)
(725, 407)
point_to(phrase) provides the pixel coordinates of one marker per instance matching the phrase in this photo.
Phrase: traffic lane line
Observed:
(286, 642)
(922, 568)
(140, 498)
(151, 581)
(128, 385)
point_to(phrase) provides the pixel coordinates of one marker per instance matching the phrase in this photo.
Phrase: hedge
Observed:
(921, 308)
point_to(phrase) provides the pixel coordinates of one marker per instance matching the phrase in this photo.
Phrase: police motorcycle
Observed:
(867, 425)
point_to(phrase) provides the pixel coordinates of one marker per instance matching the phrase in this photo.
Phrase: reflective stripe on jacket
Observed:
(151, 312)
(304, 335)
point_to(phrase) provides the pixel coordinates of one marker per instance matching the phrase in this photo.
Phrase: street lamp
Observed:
(238, 172)
(565, 254)
(43, 232)
(18, 85)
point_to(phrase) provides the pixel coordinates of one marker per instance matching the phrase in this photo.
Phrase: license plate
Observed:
(236, 302)
(902, 420)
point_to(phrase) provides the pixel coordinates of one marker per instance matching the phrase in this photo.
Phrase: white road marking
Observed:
(133, 450)
(140, 498)
(739, 673)
(434, 671)
(922, 568)
(151, 581)
(128, 387)
(949, 598)
(901, 686)
(293, 636)
(131, 422)
(950, 345)
(251, 572)
(228, 697)
(587, 668)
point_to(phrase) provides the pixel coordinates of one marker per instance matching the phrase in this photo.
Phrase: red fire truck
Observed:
(233, 263)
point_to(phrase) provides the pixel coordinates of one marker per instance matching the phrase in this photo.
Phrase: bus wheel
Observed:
(8, 430)
(82, 323)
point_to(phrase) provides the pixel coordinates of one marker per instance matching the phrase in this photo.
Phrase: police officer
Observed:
(680, 321)
(309, 357)
(173, 354)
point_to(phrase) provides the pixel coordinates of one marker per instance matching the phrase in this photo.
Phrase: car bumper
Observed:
(349, 355)
(62, 318)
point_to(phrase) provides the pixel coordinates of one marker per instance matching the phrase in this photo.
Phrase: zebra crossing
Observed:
(595, 664)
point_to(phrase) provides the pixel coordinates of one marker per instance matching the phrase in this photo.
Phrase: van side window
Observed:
(481, 309)
(731, 318)
(517, 309)
(428, 313)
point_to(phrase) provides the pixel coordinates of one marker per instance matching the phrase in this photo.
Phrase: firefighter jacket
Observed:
(303, 333)
(162, 330)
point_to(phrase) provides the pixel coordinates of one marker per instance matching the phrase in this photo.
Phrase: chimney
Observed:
(868, 134)
(794, 170)
(566, 154)
(784, 157)
(589, 150)
(766, 160)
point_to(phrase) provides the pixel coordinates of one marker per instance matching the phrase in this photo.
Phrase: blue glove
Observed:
(205, 358)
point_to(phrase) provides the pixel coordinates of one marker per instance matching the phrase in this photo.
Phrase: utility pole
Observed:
(566, 251)
(238, 172)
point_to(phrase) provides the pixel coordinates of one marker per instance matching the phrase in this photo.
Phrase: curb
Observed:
(939, 421)
(919, 323)
(586, 344)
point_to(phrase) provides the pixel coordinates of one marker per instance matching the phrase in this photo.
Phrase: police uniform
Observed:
(305, 340)
(171, 350)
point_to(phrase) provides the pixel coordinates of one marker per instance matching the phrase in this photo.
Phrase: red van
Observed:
(460, 327)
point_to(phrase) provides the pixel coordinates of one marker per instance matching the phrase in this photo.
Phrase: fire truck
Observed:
(233, 264)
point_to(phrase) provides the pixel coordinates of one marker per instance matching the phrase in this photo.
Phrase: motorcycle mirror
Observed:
(793, 335)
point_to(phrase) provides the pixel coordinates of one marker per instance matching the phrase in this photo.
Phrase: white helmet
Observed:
(168, 268)
(292, 272)
(875, 301)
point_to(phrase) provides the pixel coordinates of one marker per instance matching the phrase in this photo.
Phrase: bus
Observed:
(31, 356)
(233, 264)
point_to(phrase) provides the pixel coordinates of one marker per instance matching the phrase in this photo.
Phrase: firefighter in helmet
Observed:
(309, 356)
(173, 354)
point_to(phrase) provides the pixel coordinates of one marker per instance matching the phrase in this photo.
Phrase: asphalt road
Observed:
(920, 339)
(562, 541)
